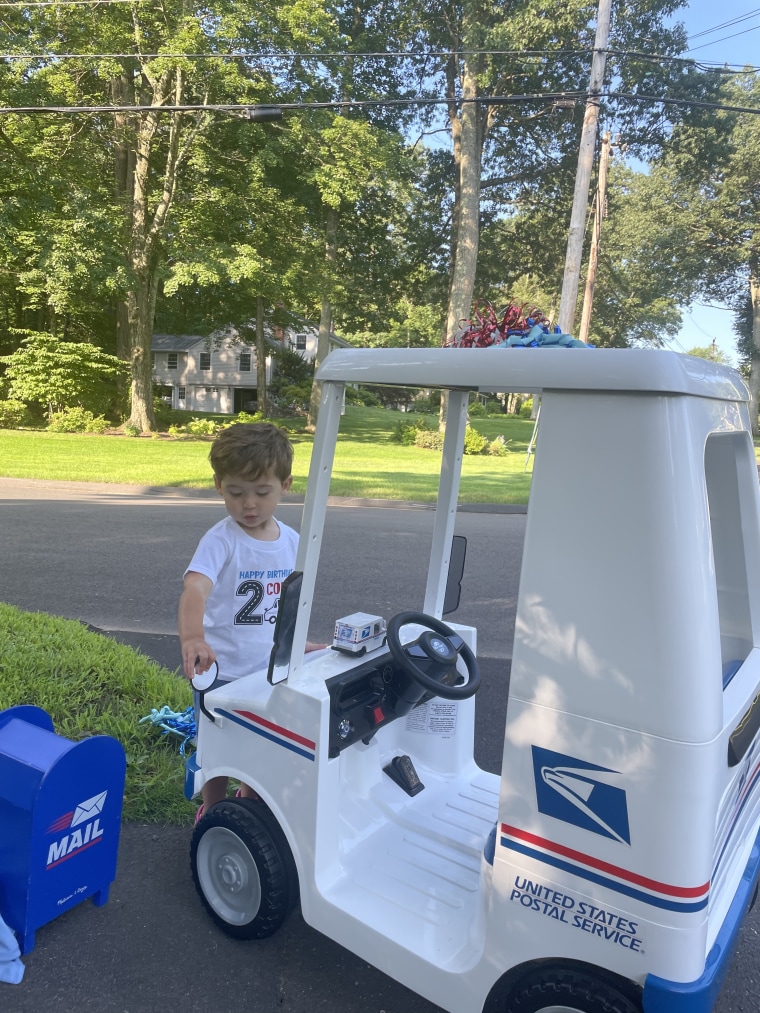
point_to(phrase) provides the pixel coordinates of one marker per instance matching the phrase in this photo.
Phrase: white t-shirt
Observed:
(241, 610)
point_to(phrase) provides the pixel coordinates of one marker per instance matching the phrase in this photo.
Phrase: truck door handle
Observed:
(742, 736)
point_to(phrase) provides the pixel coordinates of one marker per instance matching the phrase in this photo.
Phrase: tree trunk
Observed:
(261, 360)
(467, 133)
(141, 307)
(754, 373)
(325, 316)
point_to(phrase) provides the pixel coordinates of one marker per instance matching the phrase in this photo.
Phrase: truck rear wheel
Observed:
(569, 991)
(243, 869)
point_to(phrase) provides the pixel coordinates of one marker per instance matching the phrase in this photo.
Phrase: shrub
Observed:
(131, 430)
(474, 443)
(405, 433)
(77, 420)
(526, 408)
(362, 396)
(245, 417)
(494, 408)
(476, 410)
(203, 427)
(498, 447)
(429, 439)
(177, 430)
(12, 413)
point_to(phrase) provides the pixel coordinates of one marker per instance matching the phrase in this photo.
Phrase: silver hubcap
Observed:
(228, 876)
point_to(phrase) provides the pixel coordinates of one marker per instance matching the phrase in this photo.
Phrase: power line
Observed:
(725, 38)
(65, 3)
(272, 110)
(726, 24)
(524, 54)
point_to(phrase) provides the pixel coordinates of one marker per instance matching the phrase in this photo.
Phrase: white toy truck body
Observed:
(358, 633)
(617, 851)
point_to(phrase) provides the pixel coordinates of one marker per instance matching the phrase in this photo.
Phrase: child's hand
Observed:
(197, 657)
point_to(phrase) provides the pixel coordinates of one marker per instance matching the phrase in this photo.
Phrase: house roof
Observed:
(174, 342)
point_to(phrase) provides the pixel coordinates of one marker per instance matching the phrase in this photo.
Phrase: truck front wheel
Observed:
(243, 869)
(569, 991)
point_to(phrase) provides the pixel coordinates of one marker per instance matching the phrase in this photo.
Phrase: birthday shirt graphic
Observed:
(581, 793)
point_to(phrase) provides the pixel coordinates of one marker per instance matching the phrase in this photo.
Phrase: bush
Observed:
(12, 414)
(526, 408)
(474, 443)
(405, 433)
(494, 408)
(246, 417)
(429, 439)
(131, 430)
(77, 420)
(498, 447)
(362, 396)
(476, 410)
(203, 427)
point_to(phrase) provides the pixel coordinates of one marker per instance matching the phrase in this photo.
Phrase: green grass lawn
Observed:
(367, 463)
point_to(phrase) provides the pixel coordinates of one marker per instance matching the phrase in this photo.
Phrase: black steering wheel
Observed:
(437, 649)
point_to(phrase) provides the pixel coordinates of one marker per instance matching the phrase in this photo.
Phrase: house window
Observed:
(245, 362)
(301, 342)
(171, 360)
(205, 360)
(181, 393)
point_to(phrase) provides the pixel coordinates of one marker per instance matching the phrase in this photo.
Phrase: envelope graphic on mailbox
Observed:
(88, 810)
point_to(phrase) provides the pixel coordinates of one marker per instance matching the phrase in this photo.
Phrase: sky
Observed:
(722, 33)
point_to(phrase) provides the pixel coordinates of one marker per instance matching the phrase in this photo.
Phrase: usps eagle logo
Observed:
(83, 826)
(581, 793)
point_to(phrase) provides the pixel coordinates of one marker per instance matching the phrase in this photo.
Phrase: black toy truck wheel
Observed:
(570, 991)
(243, 869)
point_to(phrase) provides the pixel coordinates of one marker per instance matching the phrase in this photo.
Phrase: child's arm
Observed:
(197, 655)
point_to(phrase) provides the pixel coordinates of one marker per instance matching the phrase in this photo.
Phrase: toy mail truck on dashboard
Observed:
(608, 863)
(358, 633)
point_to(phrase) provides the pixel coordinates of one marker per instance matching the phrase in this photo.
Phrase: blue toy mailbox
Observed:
(60, 816)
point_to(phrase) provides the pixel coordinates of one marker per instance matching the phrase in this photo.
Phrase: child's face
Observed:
(252, 503)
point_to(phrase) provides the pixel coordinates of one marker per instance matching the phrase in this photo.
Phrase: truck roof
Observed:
(529, 369)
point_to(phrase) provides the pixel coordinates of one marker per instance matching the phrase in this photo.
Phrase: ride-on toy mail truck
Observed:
(610, 865)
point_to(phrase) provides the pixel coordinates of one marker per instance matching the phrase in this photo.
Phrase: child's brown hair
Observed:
(250, 450)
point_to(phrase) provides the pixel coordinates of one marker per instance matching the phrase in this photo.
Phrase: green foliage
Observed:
(62, 374)
(474, 442)
(247, 417)
(429, 439)
(526, 408)
(362, 396)
(406, 432)
(131, 430)
(497, 447)
(476, 410)
(714, 354)
(12, 413)
(90, 685)
(203, 427)
(77, 420)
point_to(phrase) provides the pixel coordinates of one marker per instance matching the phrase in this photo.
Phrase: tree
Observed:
(153, 153)
(62, 374)
(706, 184)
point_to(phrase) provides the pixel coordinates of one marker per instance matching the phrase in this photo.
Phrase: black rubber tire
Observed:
(570, 991)
(243, 869)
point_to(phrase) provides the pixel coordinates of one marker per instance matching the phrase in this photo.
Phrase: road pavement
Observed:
(113, 558)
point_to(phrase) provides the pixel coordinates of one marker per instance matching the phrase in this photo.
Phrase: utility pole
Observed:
(596, 238)
(569, 297)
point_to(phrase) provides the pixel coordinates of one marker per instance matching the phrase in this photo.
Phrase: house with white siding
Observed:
(218, 373)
